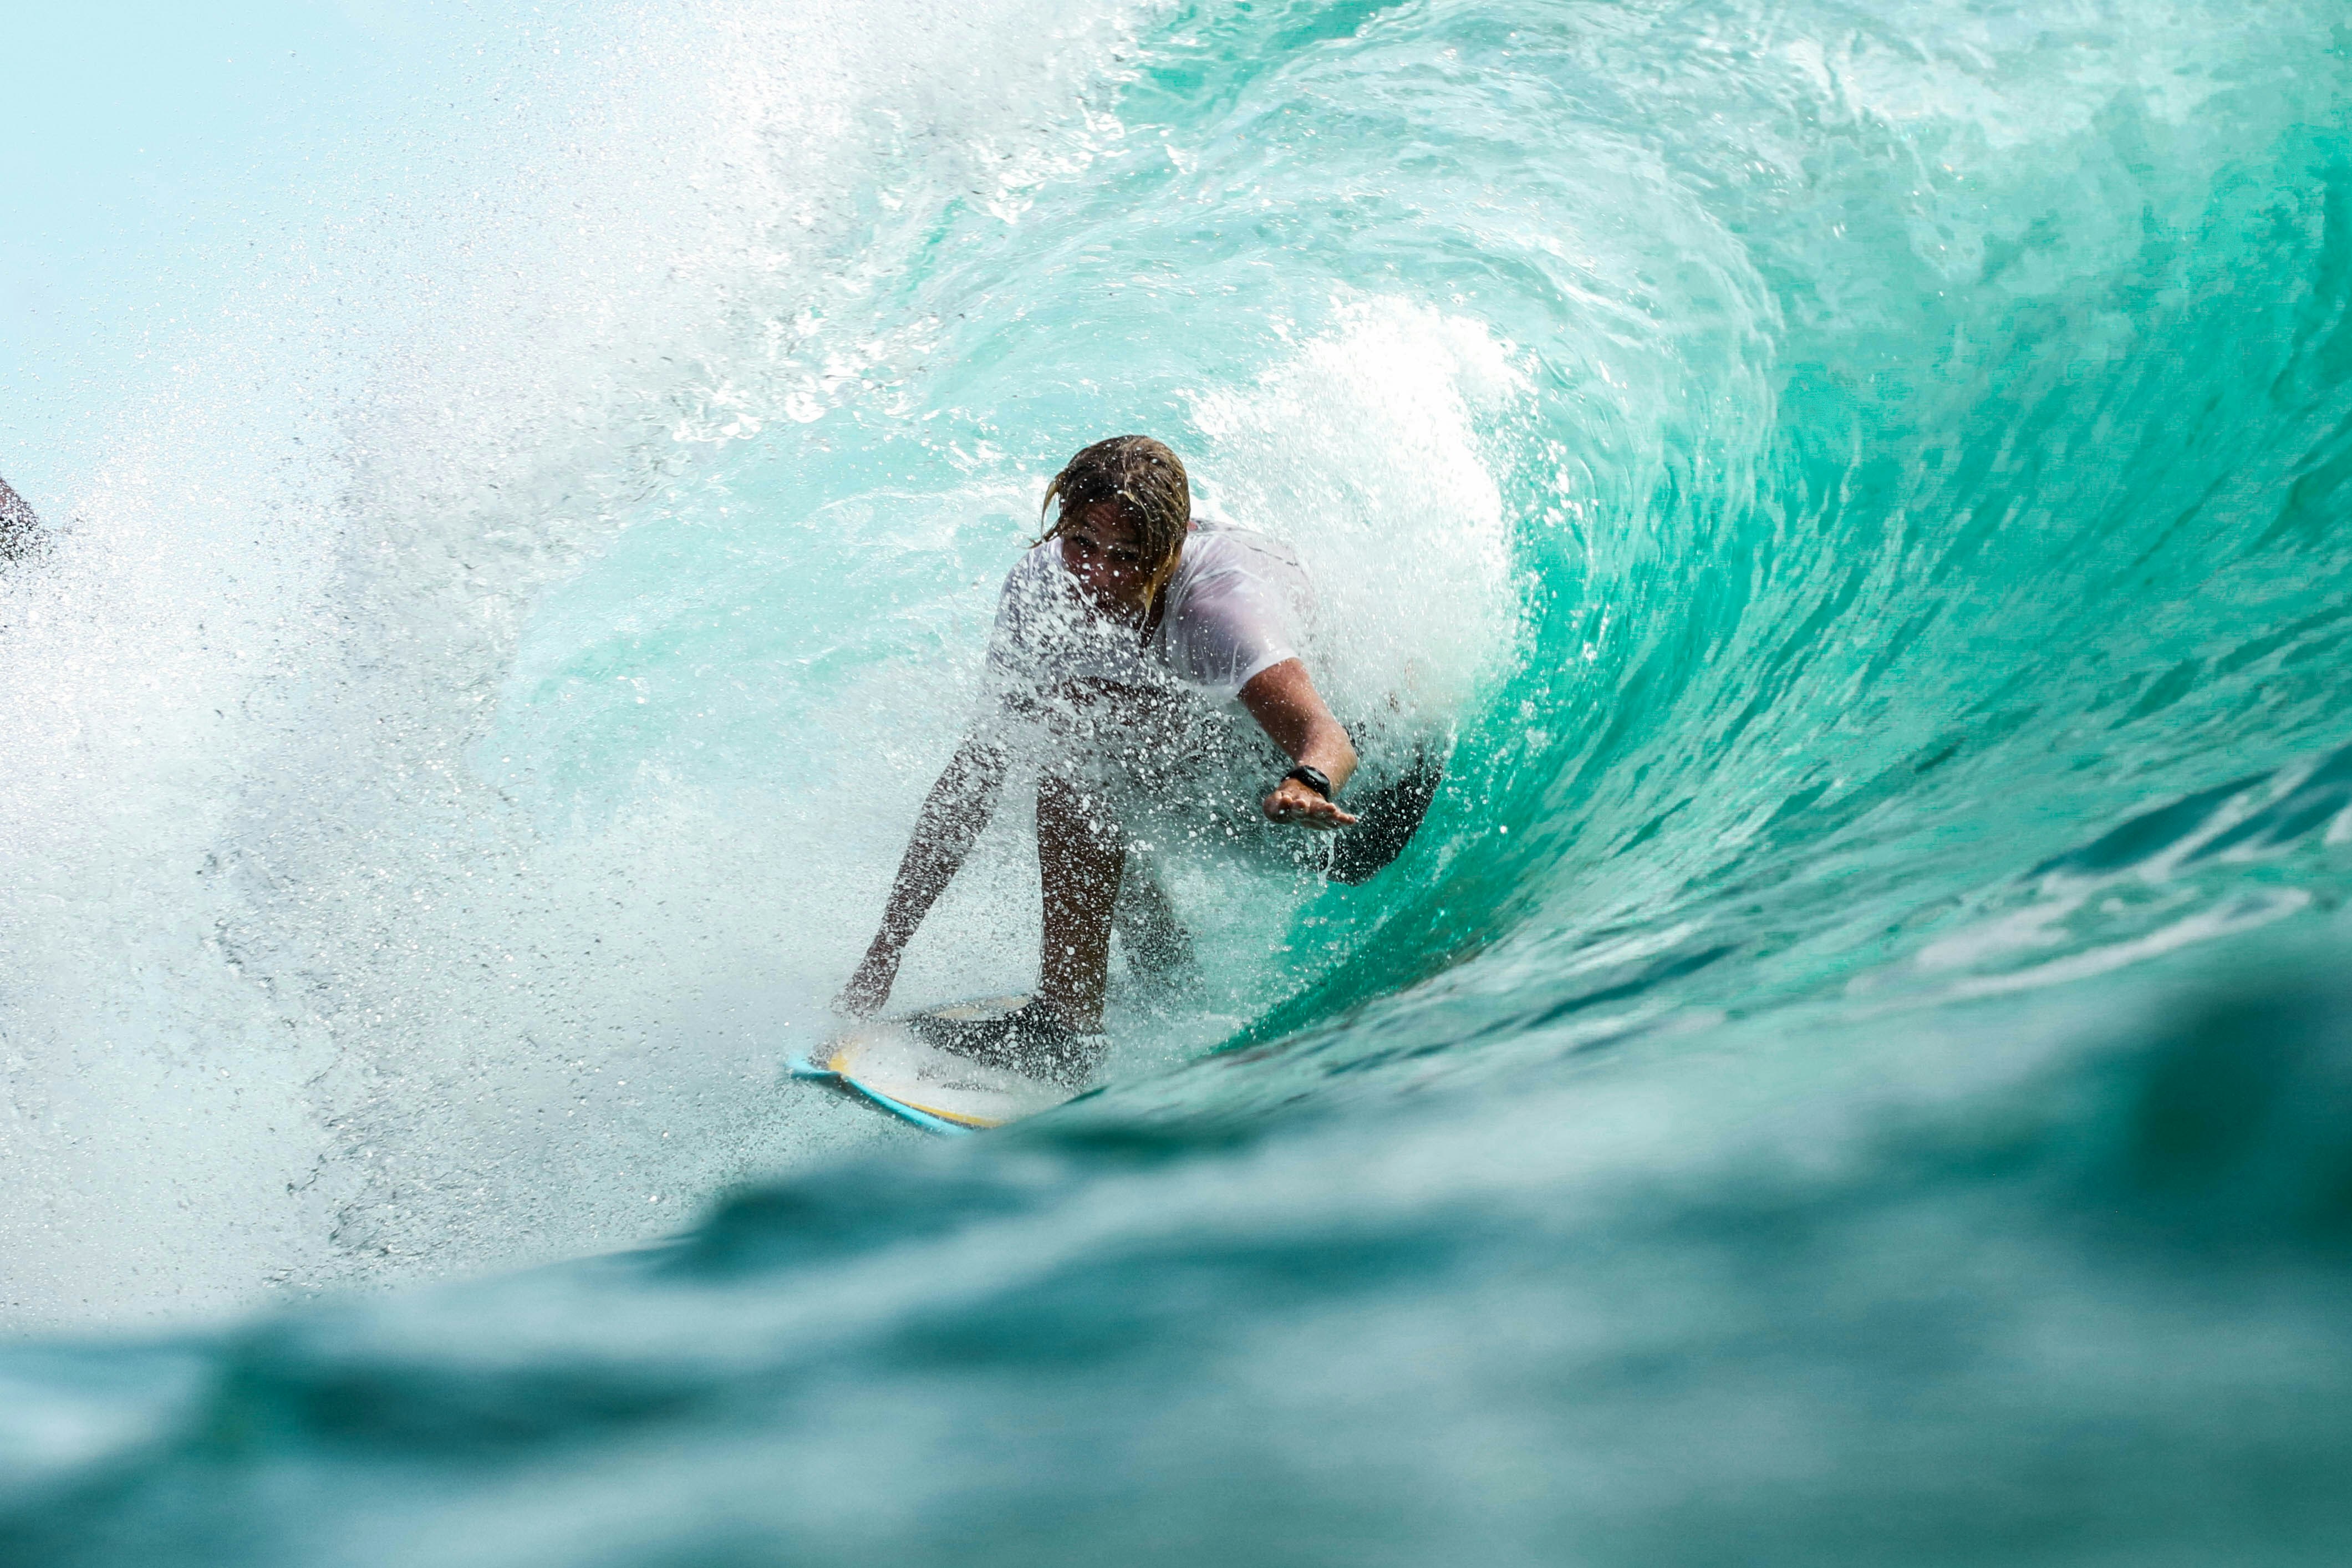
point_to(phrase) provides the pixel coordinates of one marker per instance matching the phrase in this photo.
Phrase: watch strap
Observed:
(1315, 779)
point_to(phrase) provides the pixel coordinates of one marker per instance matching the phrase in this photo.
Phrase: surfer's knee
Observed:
(1077, 808)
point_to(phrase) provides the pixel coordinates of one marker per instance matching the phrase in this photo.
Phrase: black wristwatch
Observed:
(1315, 779)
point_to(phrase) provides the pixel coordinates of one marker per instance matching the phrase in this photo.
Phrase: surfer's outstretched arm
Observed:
(1284, 701)
(959, 807)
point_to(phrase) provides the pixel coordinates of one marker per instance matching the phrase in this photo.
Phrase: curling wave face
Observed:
(1862, 490)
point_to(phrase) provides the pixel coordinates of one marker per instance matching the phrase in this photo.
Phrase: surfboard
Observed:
(887, 1063)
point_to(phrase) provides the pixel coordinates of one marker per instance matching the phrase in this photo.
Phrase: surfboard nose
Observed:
(905, 1065)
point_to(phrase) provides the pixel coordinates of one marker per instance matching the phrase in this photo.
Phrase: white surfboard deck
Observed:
(883, 1062)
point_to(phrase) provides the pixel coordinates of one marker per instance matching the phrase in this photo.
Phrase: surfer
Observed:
(1130, 610)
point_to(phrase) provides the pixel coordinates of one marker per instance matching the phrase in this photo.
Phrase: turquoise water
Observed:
(1856, 1067)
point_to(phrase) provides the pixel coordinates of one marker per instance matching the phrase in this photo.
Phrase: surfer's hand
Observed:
(1294, 802)
(869, 988)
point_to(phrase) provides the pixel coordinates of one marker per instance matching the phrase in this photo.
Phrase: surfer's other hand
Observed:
(1294, 802)
(869, 988)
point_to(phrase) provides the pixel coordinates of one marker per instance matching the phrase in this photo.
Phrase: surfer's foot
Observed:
(1033, 1040)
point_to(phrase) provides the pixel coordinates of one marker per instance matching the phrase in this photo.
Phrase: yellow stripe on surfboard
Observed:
(839, 1063)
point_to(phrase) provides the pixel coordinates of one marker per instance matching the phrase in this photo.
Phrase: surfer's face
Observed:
(1105, 553)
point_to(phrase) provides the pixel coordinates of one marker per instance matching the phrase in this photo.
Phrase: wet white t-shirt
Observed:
(1238, 605)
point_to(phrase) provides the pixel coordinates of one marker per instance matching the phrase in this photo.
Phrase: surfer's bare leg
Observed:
(959, 807)
(1080, 856)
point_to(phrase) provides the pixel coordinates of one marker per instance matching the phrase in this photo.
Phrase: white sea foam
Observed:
(291, 989)
(1364, 449)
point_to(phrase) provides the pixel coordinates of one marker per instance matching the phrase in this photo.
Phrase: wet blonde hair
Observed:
(1147, 483)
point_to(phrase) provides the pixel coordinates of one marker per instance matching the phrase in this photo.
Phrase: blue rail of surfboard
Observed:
(898, 1108)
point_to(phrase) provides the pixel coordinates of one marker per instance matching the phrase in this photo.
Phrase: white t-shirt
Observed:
(1238, 605)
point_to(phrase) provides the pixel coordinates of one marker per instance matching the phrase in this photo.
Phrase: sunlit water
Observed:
(1856, 1067)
